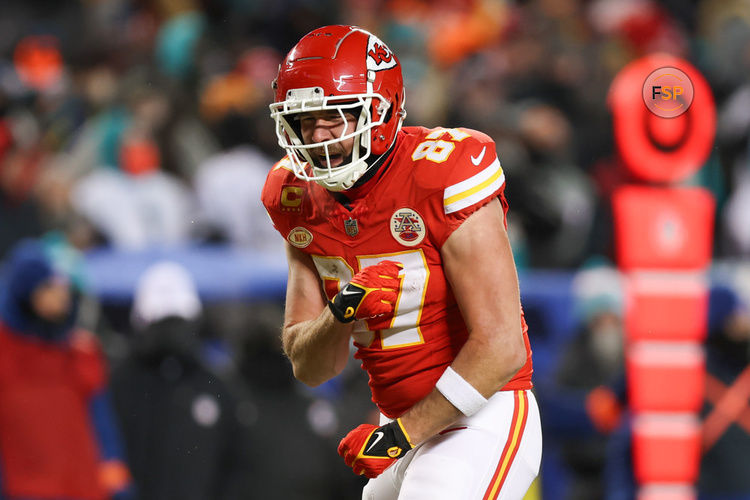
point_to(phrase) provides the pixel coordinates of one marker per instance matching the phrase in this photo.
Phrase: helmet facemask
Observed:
(306, 164)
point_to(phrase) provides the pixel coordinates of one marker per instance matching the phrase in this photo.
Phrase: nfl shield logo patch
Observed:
(351, 227)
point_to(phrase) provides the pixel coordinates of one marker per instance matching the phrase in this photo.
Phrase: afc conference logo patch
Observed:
(407, 227)
(299, 237)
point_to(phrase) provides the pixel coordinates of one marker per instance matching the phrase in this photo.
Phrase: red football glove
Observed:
(370, 450)
(372, 292)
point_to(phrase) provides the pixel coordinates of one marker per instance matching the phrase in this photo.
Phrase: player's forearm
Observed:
(317, 348)
(489, 360)
(428, 417)
(486, 365)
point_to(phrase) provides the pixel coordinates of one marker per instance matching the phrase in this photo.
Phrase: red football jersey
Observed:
(435, 179)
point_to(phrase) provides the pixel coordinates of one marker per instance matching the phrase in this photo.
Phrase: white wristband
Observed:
(460, 393)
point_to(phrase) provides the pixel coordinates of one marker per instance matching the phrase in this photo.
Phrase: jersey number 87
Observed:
(403, 330)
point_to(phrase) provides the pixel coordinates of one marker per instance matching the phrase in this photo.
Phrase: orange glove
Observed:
(372, 292)
(603, 409)
(114, 476)
(370, 450)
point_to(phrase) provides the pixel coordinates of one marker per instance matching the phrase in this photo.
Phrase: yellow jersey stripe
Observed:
(476, 197)
(285, 163)
(472, 181)
(477, 188)
(473, 189)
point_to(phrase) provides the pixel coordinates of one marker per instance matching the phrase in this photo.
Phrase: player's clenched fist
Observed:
(372, 292)
(370, 450)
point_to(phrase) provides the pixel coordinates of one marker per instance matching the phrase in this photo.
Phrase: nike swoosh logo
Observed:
(378, 438)
(349, 292)
(476, 161)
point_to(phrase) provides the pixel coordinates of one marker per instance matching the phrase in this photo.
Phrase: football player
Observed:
(396, 239)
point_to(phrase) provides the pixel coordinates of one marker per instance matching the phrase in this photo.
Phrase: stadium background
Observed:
(136, 131)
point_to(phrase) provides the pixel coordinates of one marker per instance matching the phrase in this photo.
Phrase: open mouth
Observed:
(335, 160)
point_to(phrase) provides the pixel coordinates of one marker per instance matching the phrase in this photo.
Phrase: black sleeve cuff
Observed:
(338, 314)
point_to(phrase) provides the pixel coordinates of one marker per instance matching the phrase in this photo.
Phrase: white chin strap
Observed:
(339, 180)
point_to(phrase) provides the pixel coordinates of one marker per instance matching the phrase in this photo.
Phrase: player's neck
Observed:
(364, 185)
(355, 193)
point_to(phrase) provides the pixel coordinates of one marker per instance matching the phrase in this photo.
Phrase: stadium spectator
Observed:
(591, 373)
(384, 208)
(129, 198)
(726, 412)
(228, 184)
(311, 419)
(58, 437)
(183, 426)
(228, 188)
(21, 216)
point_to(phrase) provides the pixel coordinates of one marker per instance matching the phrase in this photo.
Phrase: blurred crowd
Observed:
(135, 124)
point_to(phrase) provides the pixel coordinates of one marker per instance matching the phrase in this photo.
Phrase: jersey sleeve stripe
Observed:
(284, 163)
(473, 189)
(472, 181)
